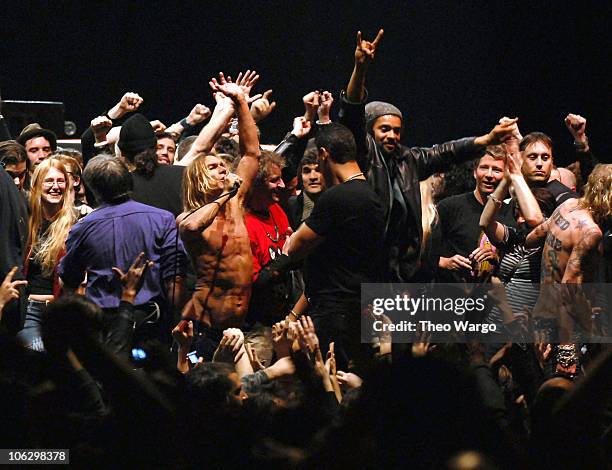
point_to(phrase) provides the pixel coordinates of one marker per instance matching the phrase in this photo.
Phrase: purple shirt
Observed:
(113, 236)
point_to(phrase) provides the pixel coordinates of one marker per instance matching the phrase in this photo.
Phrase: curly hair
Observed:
(598, 193)
(267, 160)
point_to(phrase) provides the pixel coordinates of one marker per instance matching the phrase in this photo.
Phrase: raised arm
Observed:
(247, 132)
(530, 209)
(576, 125)
(223, 112)
(494, 230)
(198, 114)
(364, 55)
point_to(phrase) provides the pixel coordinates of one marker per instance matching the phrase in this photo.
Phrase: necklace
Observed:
(356, 175)
(264, 215)
(277, 237)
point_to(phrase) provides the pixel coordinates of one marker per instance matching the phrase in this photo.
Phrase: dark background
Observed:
(452, 67)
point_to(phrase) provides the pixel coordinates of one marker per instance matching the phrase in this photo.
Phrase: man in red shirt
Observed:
(268, 228)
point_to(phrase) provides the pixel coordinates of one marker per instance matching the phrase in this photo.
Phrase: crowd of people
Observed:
(185, 295)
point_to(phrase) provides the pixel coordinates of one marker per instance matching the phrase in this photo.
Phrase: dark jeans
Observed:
(127, 325)
(338, 323)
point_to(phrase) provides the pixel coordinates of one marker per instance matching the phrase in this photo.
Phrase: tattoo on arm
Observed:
(583, 258)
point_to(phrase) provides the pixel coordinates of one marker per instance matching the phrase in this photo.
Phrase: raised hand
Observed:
(348, 380)
(100, 127)
(499, 134)
(311, 102)
(326, 100)
(366, 50)
(246, 81)
(9, 288)
(128, 103)
(516, 133)
(330, 362)
(423, 345)
(280, 339)
(230, 346)
(158, 126)
(513, 165)
(261, 107)
(132, 280)
(301, 127)
(198, 114)
(251, 352)
(576, 124)
(183, 334)
(229, 89)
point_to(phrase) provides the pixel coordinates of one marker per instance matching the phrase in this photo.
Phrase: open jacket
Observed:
(413, 165)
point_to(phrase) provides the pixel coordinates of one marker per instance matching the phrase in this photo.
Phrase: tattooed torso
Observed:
(571, 247)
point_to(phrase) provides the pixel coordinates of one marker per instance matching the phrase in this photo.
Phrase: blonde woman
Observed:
(52, 216)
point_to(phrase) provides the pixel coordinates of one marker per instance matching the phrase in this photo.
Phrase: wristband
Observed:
(183, 122)
(581, 145)
(297, 317)
(324, 123)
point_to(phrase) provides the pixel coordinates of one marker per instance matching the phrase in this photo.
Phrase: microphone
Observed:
(237, 182)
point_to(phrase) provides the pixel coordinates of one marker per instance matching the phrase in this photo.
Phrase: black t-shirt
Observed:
(163, 189)
(461, 232)
(351, 218)
(561, 192)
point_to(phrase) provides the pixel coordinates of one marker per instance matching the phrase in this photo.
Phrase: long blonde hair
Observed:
(47, 246)
(429, 214)
(598, 193)
(197, 184)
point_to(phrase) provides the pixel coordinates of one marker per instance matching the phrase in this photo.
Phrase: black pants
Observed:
(126, 325)
(338, 323)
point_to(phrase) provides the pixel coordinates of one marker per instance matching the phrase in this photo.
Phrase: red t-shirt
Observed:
(267, 236)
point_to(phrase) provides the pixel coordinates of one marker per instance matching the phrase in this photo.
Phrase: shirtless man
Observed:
(212, 226)
(572, 248)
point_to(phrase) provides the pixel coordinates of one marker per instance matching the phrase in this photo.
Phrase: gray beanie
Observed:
(376, 109)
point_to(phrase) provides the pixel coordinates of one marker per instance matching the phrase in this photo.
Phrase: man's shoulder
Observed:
(457, 200)
(128, 208)
(177, 170)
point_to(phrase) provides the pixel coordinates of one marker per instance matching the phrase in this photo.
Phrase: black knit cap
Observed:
(136, 135)
(34, 130)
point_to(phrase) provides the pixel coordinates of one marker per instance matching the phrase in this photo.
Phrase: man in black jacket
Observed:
(394, 170)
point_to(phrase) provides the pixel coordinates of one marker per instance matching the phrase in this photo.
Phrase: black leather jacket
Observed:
(413, 165)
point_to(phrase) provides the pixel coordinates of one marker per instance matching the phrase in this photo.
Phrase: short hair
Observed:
(12, 153)
(311, 157)
(108, 178)
(165, 135)
(498, 152)
(267, 160)
(184, 147)
(338, 141)
(534, 137)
